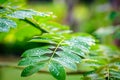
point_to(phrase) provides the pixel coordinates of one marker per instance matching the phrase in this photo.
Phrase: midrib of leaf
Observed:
(55, 50)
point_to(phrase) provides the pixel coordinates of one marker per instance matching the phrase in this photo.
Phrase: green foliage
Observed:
(106, 65)
(24, 15)
(61, 49)
(57, 70)
(6, 24)
(32, 69)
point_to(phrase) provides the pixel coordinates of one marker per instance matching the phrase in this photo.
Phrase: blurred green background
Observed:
(97, 17)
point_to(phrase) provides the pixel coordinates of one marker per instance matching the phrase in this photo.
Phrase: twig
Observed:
(35, 24)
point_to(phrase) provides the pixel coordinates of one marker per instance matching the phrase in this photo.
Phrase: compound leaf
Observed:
(67, 63)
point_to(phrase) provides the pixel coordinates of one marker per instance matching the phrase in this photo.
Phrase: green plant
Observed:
(62, 52)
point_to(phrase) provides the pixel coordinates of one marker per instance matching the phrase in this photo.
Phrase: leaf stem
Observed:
(55, 50)
(35, 24)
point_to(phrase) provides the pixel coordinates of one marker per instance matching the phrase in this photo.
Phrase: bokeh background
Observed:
(100, 18)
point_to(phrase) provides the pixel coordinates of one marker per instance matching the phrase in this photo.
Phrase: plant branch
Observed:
(35, 24)
(31, 22)
(41, 71)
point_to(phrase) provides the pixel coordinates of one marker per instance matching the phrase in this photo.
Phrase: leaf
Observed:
(36, 51)
(55, 27)
(6, 24)
(66, 62)
(115, 74)
(57, 70)
(70, 56)
(32, 69)
(73, 50)
(47, 38)
(25, 32)
(82, 43)
(42, 40)
(22, 14)
(32, 60)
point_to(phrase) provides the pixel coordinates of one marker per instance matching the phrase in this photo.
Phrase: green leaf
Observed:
(73, 50)
(32, 69)
(66, 62)
(32, 60)
(6, 24)
(50, 38)
(55, 27)
(42, 40)
(70, 56)
(115, 74)
(82, 43)
(22, 14)
(36, 51)
(57, 70)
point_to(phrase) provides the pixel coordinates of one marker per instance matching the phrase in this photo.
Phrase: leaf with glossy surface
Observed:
(70, 56)
(42, 40)
(82, 43)
(22, 14)
(32, 60)
(66, 62)
(32, 69)
(57, 70)
(36, 51)
(6, 24)
(73, 50)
